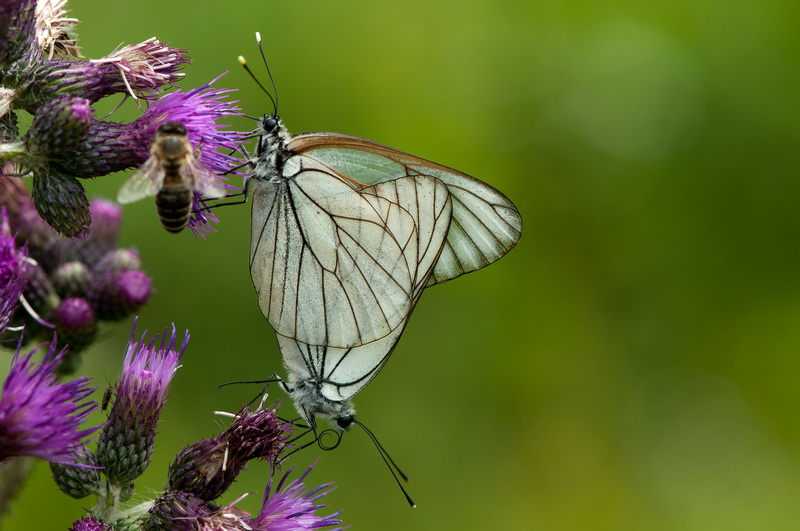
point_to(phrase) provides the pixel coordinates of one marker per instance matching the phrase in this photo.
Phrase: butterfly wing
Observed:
(145, 182)
(485, 225)
(330, 263)
(340, 373)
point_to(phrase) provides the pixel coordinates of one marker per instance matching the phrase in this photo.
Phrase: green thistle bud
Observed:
(61, 201)
(60, 125)
(75, 481)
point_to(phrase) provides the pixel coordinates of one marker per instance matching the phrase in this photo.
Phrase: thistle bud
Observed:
(60, 125)
(77, 482)
(76, 325)
(116, 295)
(72, 279)
(61, 201)
(126, 443)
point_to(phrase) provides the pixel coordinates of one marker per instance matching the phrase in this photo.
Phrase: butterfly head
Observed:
(311, 404)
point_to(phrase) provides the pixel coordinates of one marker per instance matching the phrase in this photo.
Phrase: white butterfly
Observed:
(346, 234)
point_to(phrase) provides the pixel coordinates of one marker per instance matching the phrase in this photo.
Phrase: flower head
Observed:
(140, 70)
(199, 111)
(208, 467)
(126, 442)
(292, 507)
(39, 416)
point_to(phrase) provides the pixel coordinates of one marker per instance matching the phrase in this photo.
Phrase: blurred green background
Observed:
(632, 364)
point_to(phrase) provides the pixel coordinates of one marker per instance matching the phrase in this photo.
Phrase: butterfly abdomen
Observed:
(174, 204)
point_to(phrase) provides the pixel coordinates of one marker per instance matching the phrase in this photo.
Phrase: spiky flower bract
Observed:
(39, 416)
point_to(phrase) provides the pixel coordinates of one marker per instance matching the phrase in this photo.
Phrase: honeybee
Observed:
(172, 174)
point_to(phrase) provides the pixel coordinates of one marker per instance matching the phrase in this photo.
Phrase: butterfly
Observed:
(346, 235)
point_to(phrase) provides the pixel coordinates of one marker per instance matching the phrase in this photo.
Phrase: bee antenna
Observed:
(390, 464)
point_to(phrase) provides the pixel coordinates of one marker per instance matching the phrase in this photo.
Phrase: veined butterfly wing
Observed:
(485, 225)
(328, 256)
(340, 373)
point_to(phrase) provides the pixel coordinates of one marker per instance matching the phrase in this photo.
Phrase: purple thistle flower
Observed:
(140, 70)
(146, 67)
(208, 467)
(291, 507)
(39, 416)
(199, 110)
(112, 146)
(126, 442)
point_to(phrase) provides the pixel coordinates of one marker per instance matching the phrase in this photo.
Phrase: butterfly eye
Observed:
(345, 422)
(270, 123)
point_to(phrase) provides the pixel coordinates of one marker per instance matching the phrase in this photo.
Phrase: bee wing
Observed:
(197, 177)
(145, 182)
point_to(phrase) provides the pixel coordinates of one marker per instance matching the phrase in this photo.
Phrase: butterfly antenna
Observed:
(243, 62)
(266, 64)
(390, 464)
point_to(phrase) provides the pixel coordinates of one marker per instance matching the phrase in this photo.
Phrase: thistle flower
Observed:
(76, 325)
(126, 442)
(290, 507)
(293, 507)
(140, 70)
(40, 417)
(208, 467)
